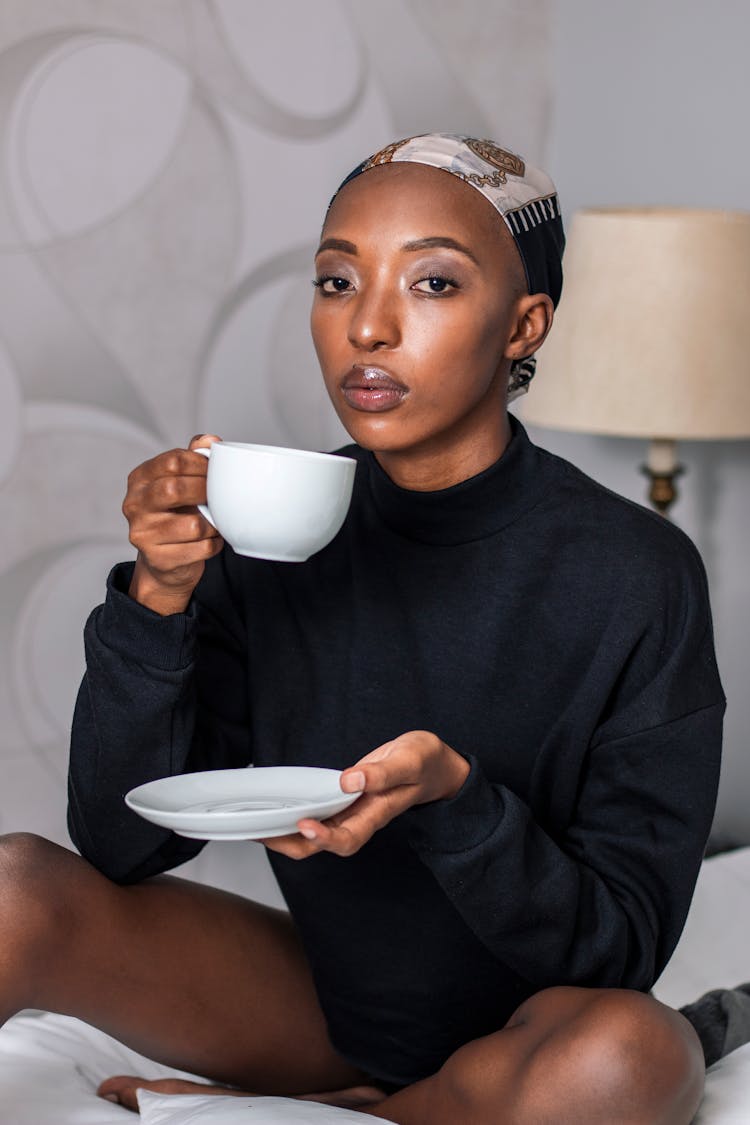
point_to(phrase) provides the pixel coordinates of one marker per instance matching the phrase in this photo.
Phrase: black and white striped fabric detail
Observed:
(533, 214)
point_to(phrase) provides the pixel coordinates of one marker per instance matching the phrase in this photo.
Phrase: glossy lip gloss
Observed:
(372, 389)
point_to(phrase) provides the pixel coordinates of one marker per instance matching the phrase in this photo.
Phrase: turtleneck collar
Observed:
(472, 509)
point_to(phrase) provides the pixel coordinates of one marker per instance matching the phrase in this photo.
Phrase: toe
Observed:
(121, 1089)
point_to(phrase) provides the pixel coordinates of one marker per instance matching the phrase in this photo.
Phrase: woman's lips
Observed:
(372, 389)
(372, 398)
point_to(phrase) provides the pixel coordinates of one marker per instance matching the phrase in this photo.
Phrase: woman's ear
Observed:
(534, 315)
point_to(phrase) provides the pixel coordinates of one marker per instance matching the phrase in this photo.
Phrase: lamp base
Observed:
(661, 469)
(662, 492)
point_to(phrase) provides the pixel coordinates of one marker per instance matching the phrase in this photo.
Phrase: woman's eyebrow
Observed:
(336, 244)
(417, 244)
(440, 240)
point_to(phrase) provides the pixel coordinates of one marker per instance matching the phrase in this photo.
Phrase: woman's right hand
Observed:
(173, 538)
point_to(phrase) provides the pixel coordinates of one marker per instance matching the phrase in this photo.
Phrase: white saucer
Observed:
(241, 804)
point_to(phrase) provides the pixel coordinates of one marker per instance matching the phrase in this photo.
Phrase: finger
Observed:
(176, 531)
(402, 761)
(354, 779)
(166, 493)
(348, 831)
(392, 772)
(339, 840)
(202, 441)
(174, 462)
(342, 833)
(293, 846)
(306, 841)
(172, 556)
(184, 525)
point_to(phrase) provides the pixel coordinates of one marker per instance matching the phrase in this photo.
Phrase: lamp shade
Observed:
(652, 336)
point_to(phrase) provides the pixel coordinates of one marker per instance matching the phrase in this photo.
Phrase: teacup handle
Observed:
(205, 451)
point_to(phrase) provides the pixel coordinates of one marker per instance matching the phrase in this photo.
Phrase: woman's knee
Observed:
(34, 902)
(631, 1053)
(572, 1055)
(22, 857)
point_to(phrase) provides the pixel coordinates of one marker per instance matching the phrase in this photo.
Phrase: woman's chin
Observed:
(379, 433)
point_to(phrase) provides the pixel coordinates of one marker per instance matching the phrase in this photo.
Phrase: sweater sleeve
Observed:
(600, 901)
(160, 696)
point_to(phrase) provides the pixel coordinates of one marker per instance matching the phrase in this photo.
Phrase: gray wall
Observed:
(651, 108)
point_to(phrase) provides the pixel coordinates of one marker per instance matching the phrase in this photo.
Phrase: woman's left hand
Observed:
(415, 768)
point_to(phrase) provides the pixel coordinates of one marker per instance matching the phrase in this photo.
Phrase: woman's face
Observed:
(419, 290)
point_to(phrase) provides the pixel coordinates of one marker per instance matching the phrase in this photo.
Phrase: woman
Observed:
(514, 663)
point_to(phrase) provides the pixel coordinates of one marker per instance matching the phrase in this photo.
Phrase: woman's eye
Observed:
(331, 284)
(435, 285)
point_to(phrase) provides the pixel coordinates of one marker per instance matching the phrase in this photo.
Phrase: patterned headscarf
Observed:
(524, 196)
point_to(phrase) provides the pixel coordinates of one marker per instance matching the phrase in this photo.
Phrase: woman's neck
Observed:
(438, 465)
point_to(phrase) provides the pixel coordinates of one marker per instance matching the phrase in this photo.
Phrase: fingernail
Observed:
(353, 782)
(308, 833)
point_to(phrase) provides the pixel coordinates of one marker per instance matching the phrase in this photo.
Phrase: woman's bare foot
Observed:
(122, 1088)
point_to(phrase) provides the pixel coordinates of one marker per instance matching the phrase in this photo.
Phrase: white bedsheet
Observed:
(50, 1066)
(209, 1110)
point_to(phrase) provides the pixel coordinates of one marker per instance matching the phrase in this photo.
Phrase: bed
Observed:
(51, 1065)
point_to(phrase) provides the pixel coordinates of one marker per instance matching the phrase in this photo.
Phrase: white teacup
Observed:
(274, 503)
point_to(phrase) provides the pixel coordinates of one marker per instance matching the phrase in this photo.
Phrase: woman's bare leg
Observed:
(192, 977)
(214, 984)
(568, 1056)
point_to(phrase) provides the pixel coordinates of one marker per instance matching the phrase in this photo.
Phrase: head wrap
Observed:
(523, 196)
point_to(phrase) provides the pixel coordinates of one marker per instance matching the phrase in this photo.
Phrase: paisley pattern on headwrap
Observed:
(385, 156)
(504, 161)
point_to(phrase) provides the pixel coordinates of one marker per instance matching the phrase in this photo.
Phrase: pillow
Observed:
(54, 1093)
(215, 1109)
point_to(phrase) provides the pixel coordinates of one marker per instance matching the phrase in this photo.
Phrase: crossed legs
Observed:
(568, 1056)
(218, 985)
(195, 978)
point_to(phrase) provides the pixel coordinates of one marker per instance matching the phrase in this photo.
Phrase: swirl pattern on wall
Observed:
(165, 171)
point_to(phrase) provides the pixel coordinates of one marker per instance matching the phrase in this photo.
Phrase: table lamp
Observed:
(652, 337)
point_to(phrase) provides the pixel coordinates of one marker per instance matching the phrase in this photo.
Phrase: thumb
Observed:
(202, 441)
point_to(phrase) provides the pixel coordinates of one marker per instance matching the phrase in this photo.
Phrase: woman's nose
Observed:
(374, 321)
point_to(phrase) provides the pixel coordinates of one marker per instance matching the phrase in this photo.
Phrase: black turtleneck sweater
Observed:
(556, 635)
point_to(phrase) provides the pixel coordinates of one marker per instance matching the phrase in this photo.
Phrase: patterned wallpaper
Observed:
(165, 169)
